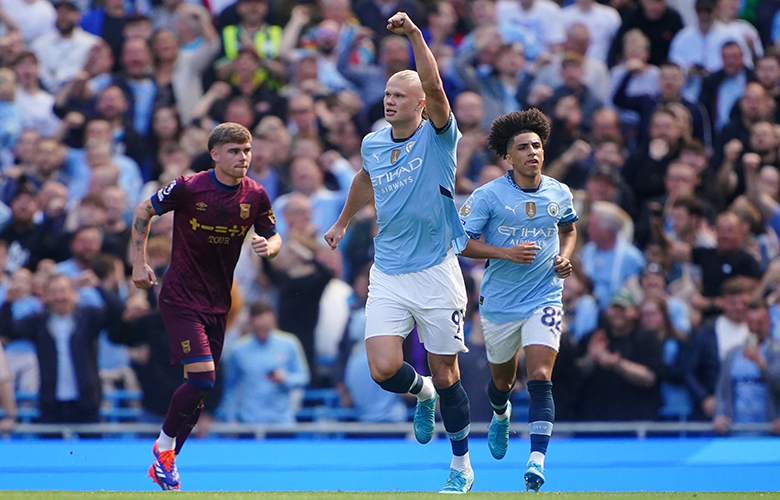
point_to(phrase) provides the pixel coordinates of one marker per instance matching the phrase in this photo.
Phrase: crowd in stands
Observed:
(665, 125)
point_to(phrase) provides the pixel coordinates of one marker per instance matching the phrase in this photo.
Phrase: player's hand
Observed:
(334, 235)
(562, 267)
(522, 253)
(260, 246)
(401, 24)
(143, 277)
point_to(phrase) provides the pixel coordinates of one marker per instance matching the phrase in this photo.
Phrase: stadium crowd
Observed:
(665, 125)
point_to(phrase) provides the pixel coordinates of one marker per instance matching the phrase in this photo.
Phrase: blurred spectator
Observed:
(20, 353)
(654, 319)
(33, 18)
(165, 134)
(748, 388)
(656, 20)
(646, 167)
(116, 232)
(307, 179)
(727, 12)
(608, 259)
(540, 17)
(333, 317)
(620, 362)
(696, 48)
(65, 335)
(373, 14)
(38, 105)
(370, 79)
(108, 22)
(112, 106)
(142, 92)
(11, 47)
(353, 378)
(264, 373)
(580, 308)
(721, 90)
(85, 244)
(10, 116)
(29, 241)
(63, 52)
(301, 280)
(726, 260)
(7, 398)
(595, 75)
(602, 22)
(255, 33)
(198, 45)
(709, 346)
(671, 81)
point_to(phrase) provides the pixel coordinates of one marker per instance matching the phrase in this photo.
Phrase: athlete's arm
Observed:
(436, 102)
(360, 192)
(567, 236)
(523, 253)
(267, 247)
(143, 275)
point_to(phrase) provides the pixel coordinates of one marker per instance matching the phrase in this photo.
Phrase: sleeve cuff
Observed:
(156, 204)
(568, 221)
(446, 127)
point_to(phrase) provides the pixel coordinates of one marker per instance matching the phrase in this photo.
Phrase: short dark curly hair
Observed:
(504, 128)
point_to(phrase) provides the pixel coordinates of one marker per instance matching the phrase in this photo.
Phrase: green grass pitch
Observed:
(334, 495)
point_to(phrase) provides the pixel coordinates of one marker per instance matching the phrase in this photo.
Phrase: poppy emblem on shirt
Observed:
(245, 210)
(394, 155)
(530, 209)
(553, 209)
(185, 346)
(271, 216)
(200, 206)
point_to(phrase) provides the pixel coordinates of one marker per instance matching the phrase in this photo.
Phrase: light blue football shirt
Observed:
(414, 181)
(508, 215)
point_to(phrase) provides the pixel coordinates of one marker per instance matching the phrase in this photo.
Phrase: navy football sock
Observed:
(541, 414)
(405, 380)
(456, 416)
(498, 399)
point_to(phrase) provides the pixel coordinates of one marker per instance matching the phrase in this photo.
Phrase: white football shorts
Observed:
(502, 340)
(434, 298)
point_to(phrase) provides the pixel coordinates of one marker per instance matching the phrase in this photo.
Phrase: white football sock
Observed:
(166, 442)
(427, 391)
(538, 457)
(461, 463)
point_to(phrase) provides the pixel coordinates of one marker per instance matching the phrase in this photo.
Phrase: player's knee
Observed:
(383, 370)
(202, 381)
(541, 373)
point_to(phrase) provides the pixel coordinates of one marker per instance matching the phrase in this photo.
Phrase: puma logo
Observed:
(512, 209)
(376, 156)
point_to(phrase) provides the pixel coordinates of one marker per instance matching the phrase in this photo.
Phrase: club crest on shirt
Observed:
(465, 210)
(245, 210)
(271, 216)
(409, 145)
(185, 346)
(200, 206)
(530, 209)
(394, 155)
(553, 209)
